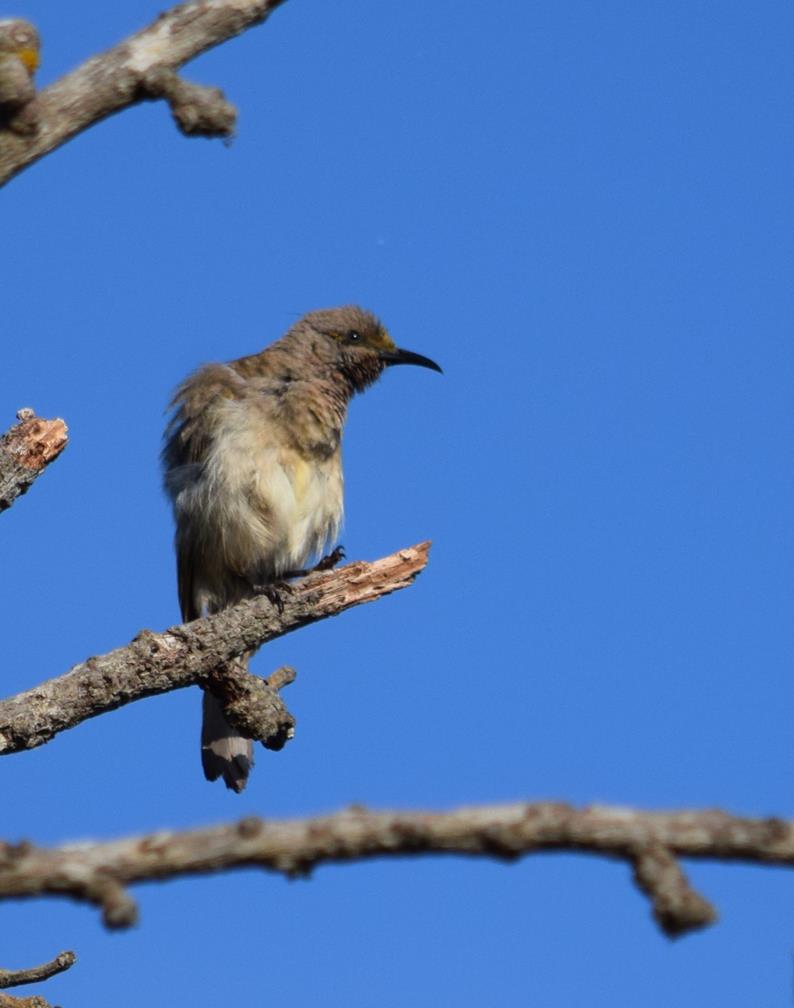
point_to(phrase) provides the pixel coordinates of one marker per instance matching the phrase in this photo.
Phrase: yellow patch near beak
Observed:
(30, 59)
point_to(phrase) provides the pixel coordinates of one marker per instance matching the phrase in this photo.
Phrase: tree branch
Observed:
(97, 873)
(26, 449)
(15, 978)
(140, 67)
(203, 653)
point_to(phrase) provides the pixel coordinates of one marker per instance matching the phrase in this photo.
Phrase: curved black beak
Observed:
(391, 357)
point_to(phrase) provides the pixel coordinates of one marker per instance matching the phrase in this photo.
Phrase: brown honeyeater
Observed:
(19, 58)
(252, 463)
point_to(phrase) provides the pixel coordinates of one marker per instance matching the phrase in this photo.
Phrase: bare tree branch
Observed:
(26, 449)
(15, 978)
(97, 873)
(203, 653)
(141, 67)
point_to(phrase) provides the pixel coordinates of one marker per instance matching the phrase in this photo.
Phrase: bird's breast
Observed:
(272, 506)
(312, 508)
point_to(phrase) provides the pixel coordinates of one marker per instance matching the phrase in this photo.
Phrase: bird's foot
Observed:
(274, 593)
(329, 562)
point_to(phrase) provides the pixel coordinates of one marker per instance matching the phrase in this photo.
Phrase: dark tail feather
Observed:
(224, 753)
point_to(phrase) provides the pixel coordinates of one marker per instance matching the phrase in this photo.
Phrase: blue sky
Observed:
(584, 213)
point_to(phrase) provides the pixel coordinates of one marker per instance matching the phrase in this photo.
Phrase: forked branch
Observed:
(142, 66)
(202, 653)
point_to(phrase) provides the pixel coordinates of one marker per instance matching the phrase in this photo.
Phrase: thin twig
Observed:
(15, 978)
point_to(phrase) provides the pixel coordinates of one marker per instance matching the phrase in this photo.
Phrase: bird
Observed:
(19, 58)
(252, 465)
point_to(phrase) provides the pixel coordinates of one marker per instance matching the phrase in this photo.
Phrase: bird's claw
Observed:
(274, 593)
(329, 562)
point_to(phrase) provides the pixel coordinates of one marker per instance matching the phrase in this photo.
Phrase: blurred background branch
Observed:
(98, 873)
(142, 66)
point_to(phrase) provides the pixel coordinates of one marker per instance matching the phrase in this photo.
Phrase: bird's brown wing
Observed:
(187, 442)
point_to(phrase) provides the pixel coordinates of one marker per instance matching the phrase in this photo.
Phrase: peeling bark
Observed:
(26, 449)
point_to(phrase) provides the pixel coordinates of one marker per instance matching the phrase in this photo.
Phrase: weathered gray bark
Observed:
(198, 653)
(97, 873)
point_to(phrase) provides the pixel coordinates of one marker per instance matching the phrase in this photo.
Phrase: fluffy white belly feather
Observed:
(270, 509)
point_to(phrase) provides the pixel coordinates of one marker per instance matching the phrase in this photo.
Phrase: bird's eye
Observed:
(353, 336)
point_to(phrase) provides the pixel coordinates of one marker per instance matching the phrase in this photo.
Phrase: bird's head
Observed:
(19, 38)
(356, 343)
